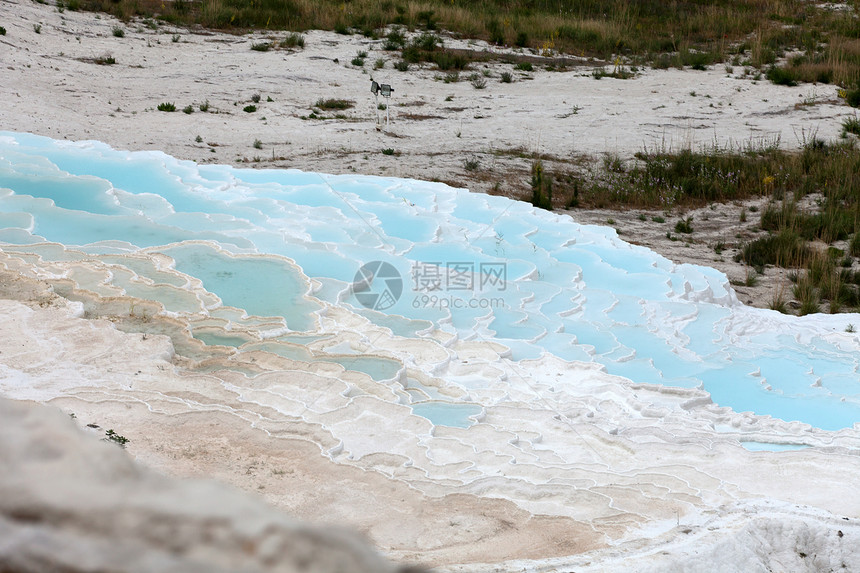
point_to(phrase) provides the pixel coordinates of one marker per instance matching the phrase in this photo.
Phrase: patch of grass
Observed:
(333, 103)
(478, 82)
(198, 139)
(37, 28)
(541, 184)
(786, 248)
(258, 144)
(293, 40)
(851, 125)
(255, 98)
(204, 107)
(166, 106)
(401, 65)
(506, 77)
(261, 46)
(658, 219)
(782, 76)
(249, 108)
(471, 164)
(524, 66)
(2, 31)
(388, 151)
(106, 60)
(118, 32)
(188, 109)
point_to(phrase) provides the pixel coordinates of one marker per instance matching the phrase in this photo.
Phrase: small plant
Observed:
(198, 139)
(850, 328)
(684, 226)
(166, 106)
(379, 64)
(471, 164)
(118, 32)
(381, 107)
(478, 82)
(357, 62)
(255, 98)
(658, 219)
(204, 107)
(506, 77)
(249, 108)
(524, 66)
(261, 46)
(401, 66)
(541, 186)
(37, 28)
(851, 125)
(258, 144)
(175, 38)
(719, 247)
(293, 40)
(451, 77)
(188, 109)
(2, 31)
(852, 97)
(106, 60)
(388, 151)
(111, 436)
(269, 99)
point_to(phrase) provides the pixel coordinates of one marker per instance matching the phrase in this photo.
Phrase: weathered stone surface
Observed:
(72, 503)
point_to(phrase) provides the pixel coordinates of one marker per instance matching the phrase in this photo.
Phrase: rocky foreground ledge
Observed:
(71, 503)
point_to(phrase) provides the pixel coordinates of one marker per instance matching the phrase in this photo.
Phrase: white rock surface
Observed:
(71, 503)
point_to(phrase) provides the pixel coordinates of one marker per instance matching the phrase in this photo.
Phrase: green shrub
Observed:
(524, 66)
(852, 97)
(333, 103)
(188, 109)
(401, 66)
(506, 77)
(684, 226)
(249, 108)
(118, 32)
(2, 31)
(166, 106)
(388, 151)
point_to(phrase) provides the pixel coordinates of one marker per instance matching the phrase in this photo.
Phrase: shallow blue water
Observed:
(485, 267)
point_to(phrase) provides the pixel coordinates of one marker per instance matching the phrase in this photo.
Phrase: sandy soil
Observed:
(482, 139)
